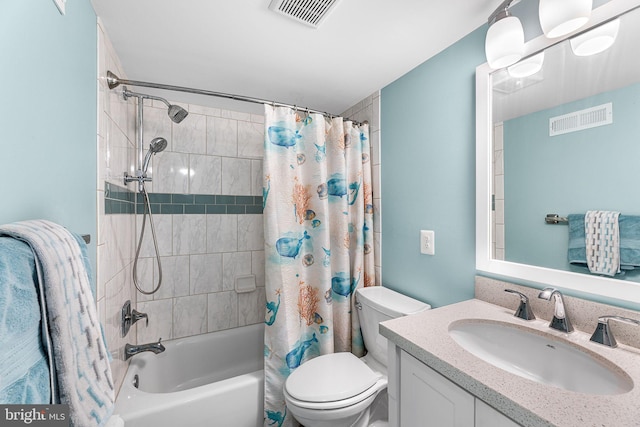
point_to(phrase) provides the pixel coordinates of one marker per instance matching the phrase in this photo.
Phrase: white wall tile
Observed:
(160, 315)
(171, 173)
(190, 135)
(222, 311)
(236, 176)
(257, 267)
(250, 232)
(222, 136)
(251, 307)
(147, 276)
(234, 264)
(164, 235)
(156, 123)
(189, 316)
(250, 140)
(205, 273)
(188, 236)
(257, 178)
(222, 233)
(175, 277)
(205, 174)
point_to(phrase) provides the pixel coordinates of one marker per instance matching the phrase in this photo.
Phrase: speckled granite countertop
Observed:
(425, 336)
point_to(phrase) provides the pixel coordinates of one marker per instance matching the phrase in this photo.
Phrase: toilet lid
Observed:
(330, 377)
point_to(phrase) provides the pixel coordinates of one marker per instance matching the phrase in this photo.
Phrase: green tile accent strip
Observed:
(119, 200)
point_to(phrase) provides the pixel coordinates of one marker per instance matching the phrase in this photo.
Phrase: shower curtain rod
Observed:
(114, 81)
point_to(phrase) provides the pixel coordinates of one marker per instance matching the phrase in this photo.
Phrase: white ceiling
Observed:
(241, 47)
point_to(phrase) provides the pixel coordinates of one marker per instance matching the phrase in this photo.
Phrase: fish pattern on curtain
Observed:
(318, 225)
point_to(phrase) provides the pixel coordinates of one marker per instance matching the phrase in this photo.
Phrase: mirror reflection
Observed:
(566, 140)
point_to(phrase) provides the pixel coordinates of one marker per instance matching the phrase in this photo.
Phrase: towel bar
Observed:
(555, 219)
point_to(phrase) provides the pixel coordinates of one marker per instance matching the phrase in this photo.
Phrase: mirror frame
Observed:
(596, 285)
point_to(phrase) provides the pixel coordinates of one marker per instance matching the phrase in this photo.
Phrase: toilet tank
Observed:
(378, 304)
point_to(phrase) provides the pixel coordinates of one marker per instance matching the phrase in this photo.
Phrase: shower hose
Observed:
(147, 211)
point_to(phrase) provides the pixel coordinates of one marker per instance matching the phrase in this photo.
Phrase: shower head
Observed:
(157, 145)
(176, 113)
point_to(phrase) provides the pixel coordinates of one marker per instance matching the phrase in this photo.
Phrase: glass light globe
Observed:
(597, 40)
(560, 17)
(527, 67)
(504, 44)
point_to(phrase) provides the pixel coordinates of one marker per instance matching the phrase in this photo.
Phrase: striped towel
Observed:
(602, 235)
(75, 343)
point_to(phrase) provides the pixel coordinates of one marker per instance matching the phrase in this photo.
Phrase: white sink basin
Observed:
(541, 358)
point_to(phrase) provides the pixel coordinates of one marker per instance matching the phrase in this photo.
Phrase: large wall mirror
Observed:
(563, 140)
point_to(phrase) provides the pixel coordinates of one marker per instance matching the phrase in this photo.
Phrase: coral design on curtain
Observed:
(318, 225)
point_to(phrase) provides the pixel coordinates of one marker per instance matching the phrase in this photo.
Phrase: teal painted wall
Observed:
(48, 114)
(586, 170)
(428, 175)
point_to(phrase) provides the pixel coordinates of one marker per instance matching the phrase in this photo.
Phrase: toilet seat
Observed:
(333, 381)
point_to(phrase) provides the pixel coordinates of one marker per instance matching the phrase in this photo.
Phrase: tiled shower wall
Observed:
(369, 110)
(207, 202)
(206, 196)
(114, 240)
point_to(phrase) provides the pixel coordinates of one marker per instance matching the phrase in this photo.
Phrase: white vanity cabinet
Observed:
(424, 398)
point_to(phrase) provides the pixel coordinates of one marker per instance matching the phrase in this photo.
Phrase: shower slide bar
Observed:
(555, 219)
(114, 81)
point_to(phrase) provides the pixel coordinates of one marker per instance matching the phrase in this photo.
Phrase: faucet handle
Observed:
(604, 335)
(524, 309)
(136, 315)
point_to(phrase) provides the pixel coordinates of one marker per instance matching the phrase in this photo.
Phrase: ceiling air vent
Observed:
(580, 120)
(308, 12)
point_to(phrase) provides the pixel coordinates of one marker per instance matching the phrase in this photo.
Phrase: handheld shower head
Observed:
(157, 145)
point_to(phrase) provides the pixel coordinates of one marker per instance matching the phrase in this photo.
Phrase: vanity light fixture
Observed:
(561, 17)
(597, 40)
(527, 67)
(504, 44)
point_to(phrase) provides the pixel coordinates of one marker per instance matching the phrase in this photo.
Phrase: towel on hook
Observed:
(629, 226)
(602, 235)
(629, 241)
(75, 343)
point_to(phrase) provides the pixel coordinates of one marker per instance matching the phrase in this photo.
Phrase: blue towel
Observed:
(82, 370)
(629, 241)
(24, 368)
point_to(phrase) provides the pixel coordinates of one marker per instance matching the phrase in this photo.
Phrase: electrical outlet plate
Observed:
(427, 242)
(60, 4)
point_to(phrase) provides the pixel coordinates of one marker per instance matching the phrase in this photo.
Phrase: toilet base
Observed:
(375, 415)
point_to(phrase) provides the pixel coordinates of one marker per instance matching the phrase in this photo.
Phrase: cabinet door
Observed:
(427, 399)
(486, 416)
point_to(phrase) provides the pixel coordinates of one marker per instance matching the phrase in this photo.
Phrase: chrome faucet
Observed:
(132, 350)
(129, 316)
(603, 334)
(524, 309)
(560, 320)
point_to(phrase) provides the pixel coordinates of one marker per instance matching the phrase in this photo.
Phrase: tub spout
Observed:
(131, 350)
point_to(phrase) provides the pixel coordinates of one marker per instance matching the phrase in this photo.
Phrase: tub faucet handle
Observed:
(136, 315)
(524, 309)
(129, 316)
(604, 335)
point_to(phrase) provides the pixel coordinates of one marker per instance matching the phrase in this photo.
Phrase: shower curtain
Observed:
(318, 224)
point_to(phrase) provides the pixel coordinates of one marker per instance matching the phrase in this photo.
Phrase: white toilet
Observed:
(341, 390)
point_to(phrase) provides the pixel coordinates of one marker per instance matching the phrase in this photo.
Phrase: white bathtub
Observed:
(214, 379)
